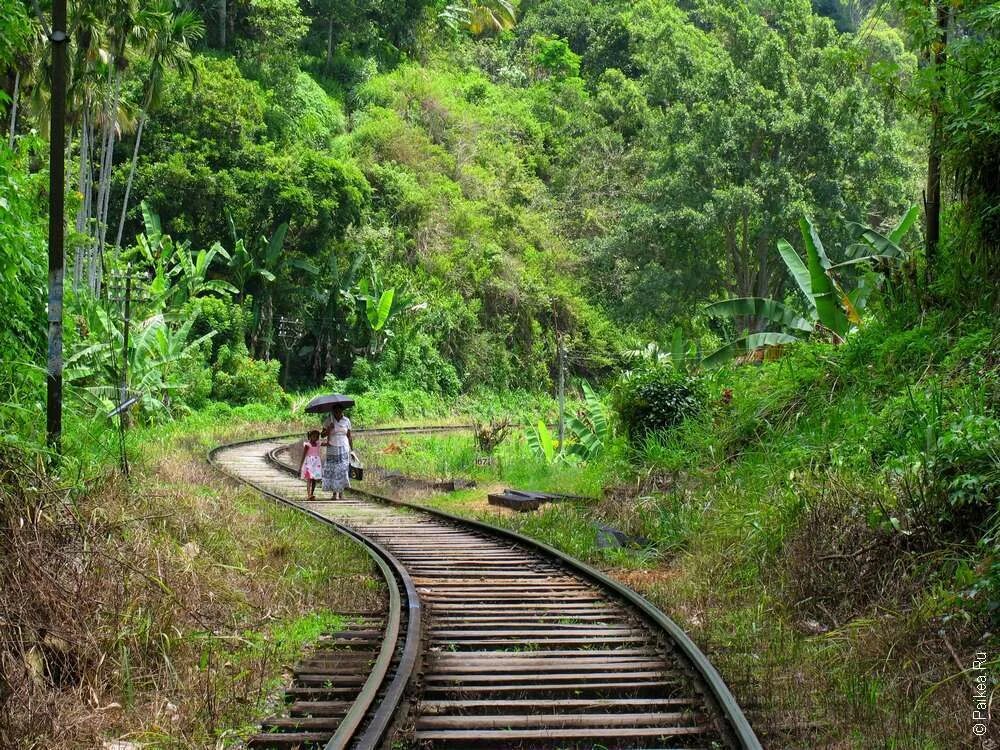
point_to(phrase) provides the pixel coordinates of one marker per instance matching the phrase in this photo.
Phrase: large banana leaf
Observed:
(798, 271)
(590, 431)
(154, 229)
(275, 244)
(540, 442)
(828, 309)
(877, 245)
(813, 242)
(759, 307)
(587, 445)
(904, 225)
(746, 344)
(884, 246)
(378, 313)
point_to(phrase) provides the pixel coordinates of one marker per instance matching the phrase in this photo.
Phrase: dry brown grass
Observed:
(162, 610)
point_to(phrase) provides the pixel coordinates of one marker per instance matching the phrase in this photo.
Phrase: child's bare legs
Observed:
(311, 489)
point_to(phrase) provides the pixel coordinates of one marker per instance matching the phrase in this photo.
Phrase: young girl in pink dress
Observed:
(311, 467)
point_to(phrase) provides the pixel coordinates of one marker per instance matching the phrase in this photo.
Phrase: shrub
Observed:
(416, 365)
(239, 379)
(197, 386)
(229, 320)
(656, 398)
(361, 379)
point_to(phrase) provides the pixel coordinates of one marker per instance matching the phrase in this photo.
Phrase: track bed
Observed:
(520, 648)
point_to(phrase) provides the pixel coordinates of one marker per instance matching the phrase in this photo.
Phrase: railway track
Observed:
(499, 641)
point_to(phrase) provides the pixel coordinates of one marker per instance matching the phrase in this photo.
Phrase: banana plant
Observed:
(333, 310)
(683, 356)
(382, 306)
(591, 428)
(178, 273)
(158, 351)
(256, 267)
(541, 443)
(190, 273)
(480, 16)
(590, 432)
(830, 310)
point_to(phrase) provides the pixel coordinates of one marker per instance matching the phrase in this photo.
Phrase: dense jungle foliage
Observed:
(429, 205)
(758, 239)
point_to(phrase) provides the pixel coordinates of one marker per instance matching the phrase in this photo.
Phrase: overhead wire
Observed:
(867, 29)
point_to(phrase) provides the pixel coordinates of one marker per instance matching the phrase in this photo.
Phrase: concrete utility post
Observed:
(562, 390)
(57, 181)
(290, 330)
(125, 287)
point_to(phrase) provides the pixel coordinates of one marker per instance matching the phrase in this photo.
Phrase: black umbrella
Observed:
(329, 402)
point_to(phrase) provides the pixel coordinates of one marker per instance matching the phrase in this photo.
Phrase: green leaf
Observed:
(305, 265)
(588, 445)
(798, 271)
(275, 244)
(154, 230)
(218, 249)
(219, 287)
(813, 242)
(677, 349)
(828, 309)
(904, 225)
(378, 314)
(758, 307)
(596, 413)
(546, 442)
(745, 345)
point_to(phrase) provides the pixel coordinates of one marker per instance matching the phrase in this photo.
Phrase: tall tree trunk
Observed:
(128, 183)
(104, 193)
(107, 133)
(329, 44)
(84, 186)
(222, 24)
(932, 200)
(13, 106)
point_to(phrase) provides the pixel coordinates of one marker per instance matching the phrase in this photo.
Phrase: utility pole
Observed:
(289, 331)
(562, 389)
(57, 181)
(123, 397)
(122, 287)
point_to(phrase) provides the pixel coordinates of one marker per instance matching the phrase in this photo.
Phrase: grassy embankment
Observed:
(798, 528)
(163, 610)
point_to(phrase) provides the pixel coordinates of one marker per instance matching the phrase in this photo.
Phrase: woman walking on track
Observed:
(337, 428)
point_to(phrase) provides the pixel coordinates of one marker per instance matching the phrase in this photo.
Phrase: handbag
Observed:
(355, 470)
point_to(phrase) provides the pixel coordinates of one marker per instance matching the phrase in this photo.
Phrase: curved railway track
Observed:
(497, 641)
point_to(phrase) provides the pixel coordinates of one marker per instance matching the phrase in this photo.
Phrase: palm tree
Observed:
(130, 25)
(170, 48)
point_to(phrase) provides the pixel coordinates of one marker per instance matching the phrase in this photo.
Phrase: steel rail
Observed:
(378, 723)
(737, 726)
